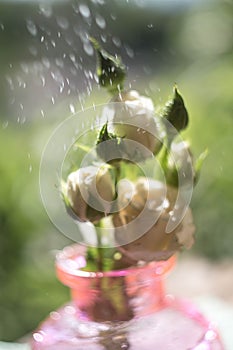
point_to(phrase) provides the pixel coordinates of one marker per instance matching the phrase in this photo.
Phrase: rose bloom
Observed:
(140, 226)
(89, 192)
(133, 118)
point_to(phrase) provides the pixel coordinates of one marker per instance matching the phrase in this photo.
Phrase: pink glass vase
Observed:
(121, 309)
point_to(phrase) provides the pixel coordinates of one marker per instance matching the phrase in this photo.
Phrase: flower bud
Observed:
(177, 115)
(133, 119)
(89, 193)
(148, 199)
(110, 70)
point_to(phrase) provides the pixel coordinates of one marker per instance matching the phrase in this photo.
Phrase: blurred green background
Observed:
(46, 73)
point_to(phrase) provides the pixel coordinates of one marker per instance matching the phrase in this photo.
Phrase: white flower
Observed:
(90, 192)
(144, 237)
(133, 118)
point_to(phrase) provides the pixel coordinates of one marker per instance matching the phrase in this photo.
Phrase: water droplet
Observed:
(59, 62)
(72, 57)
(33, 50)
(46, 10)
(73, 71)
(53, 43)
(30, 168)
(45, 62)
(129, 51)
(62, 22)
(100, 21)
(103, 38)
(150, 25)
(87, 47)
(38, 337)
(84, 36)
(10, 82)
(31, 27)
(42, 113)
(42, 39)
(75, 8)
(24, 68)
(42, 80)
(84, 10)
(116, 41)
(113, 17)
(5, 124)
(72, 108)
(2, 26)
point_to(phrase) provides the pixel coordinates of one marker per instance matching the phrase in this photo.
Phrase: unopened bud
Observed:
(110, 69)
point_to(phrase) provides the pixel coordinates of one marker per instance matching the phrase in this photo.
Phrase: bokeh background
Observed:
(47, 72)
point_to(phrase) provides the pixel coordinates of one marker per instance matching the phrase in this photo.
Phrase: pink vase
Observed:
(121, 309)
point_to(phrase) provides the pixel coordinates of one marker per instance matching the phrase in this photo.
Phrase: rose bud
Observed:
(89, 192)
(133, 119)
(155, 244)
(177, 115)
(110, 69)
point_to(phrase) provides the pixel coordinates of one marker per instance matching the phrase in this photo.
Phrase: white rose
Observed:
(89, 192)
(155, 243)
(133, 118)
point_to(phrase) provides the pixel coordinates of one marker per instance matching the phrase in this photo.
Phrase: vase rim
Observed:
(71, 260)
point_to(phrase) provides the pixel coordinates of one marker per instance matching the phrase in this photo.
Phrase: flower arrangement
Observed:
(149, 215)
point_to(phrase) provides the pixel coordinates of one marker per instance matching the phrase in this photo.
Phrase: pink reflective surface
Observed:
(125, 309)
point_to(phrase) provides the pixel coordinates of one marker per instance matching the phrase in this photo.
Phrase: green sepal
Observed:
(110, 69)
(198, 165)
(115, 149)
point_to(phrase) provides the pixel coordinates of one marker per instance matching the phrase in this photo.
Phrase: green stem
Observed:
(99, 247)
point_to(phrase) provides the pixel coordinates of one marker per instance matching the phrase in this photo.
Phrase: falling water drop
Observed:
(72, 57)
(2, 26)
(62, 22)
(116, 41)
(45, 62)
(113, 17)
(83, 36)
(46, 10)
(87, 47)
(5, 124)
(103, 38)
(30, 168)
(24, 68)
(129, 51)
(72, 108)
(100, 21)
(84, 10)
(33, 50)
(31, 27)
(59, 62)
